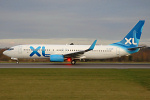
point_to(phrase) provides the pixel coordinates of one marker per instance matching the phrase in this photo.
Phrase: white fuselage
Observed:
(43, 51)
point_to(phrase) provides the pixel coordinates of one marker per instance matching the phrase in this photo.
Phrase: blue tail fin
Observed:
(131, 40)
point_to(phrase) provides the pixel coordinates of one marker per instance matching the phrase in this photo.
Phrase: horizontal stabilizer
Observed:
(134, 48)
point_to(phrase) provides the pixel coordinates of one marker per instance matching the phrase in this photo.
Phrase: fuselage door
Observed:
(118, 51)
(20, 50)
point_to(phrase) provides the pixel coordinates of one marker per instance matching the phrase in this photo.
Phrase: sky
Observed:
(66, 21)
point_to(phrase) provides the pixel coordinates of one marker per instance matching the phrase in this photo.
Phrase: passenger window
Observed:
(11, 49)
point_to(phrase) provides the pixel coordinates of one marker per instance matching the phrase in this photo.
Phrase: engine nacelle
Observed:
(56, 58)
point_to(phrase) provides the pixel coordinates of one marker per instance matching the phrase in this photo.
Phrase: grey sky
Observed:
(95, 19)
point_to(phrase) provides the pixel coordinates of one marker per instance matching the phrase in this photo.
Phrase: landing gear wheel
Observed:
(73, 62)
(17, 62)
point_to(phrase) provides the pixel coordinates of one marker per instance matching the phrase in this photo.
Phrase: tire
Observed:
(17, 62)
(73, 62)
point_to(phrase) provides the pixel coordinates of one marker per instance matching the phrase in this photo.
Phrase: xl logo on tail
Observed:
(130, 41)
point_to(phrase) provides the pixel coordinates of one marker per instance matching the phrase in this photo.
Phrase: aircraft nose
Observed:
(5, 53)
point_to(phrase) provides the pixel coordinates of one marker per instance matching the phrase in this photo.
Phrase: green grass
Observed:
(74, 84)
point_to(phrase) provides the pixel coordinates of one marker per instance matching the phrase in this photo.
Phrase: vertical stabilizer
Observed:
(131, 40)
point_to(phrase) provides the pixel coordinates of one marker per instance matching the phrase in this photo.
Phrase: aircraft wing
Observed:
(76, 54)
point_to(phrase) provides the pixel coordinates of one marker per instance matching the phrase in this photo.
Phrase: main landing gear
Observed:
(17, 62)
(73, 62)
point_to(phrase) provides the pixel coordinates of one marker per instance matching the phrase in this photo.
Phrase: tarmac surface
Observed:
(78, 65)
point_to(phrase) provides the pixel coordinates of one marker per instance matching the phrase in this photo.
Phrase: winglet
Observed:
(93, 45)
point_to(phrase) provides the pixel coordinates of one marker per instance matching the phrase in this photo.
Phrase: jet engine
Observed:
(56, 58)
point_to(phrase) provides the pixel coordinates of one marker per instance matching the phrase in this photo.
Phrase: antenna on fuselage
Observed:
(71, 43)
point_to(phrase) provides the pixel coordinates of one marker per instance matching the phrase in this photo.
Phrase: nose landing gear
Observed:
(17, 60)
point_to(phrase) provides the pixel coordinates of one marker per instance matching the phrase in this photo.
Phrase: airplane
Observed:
(72, 53)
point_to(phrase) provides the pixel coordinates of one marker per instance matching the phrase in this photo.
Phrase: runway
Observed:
(79, 65)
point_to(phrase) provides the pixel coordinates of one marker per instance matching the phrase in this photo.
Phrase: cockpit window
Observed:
(11, 49)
